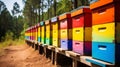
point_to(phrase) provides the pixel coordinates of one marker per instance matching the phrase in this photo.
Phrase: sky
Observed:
(9, 4)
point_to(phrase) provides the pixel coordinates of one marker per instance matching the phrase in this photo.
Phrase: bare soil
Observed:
(23, 56)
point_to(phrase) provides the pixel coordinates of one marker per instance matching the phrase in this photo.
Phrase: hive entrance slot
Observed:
(102, 29)
(102, 47)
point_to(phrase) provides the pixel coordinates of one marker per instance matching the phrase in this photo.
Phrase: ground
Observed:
(23, 56)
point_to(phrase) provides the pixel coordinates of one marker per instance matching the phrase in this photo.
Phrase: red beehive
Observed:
(79, 17)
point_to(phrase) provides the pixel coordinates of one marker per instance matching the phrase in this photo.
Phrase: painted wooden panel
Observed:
(104, 51)
(78, 34)
(103, 33)
(103, 15)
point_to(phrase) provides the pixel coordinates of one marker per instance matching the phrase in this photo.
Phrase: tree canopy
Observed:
(10, 23)
(41, 10)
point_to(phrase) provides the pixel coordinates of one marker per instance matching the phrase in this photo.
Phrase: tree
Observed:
(17, 22)
(16, 8)
(55, 7)
(10, 24)
(32, 11)
(64, 6)
(2, 6)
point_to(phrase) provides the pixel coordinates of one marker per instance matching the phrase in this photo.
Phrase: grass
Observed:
(10, 43)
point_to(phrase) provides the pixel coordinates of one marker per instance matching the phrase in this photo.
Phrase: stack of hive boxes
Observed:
(30, 33)
(106, 30)
(36, 32)
(81, 24)
(27, 34)
(48, 33)
(65, 31)
(39, 33)
(54, 25)
(32, 37)
(42, 24)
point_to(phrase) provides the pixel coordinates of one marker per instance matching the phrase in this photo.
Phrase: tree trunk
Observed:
(39, 11)
(55, 7)
(31, 23)
(42, 11)
(48, 8)
(36, 16)
(75, 4)
(71, 4)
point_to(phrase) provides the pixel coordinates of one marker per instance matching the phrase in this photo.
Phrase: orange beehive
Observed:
(105, 11)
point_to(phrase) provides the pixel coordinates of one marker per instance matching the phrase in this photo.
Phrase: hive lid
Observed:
(42, 23)
(80, 10)
(98, 3)
(65, 15)
(38, 25)
(35, 26)
(47, 22)
(54, 19)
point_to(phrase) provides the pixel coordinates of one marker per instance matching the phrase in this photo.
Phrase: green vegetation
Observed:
(11, 26)
(9, 40)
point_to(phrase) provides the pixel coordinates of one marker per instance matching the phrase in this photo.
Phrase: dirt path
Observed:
(23, 56)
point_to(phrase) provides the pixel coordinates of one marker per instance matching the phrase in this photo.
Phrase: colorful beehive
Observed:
(39, 32)
(48, 33)
(65, 31)
(42, 24)
(36, 32)
(30, 33)
(33, 35)
(82, 31)
(105, 30)
(55, 30)
(26, 34)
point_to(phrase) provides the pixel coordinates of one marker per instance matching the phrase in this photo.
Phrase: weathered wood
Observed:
(74, 63)
(53, 57)
(73, 53)
(50, 47)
